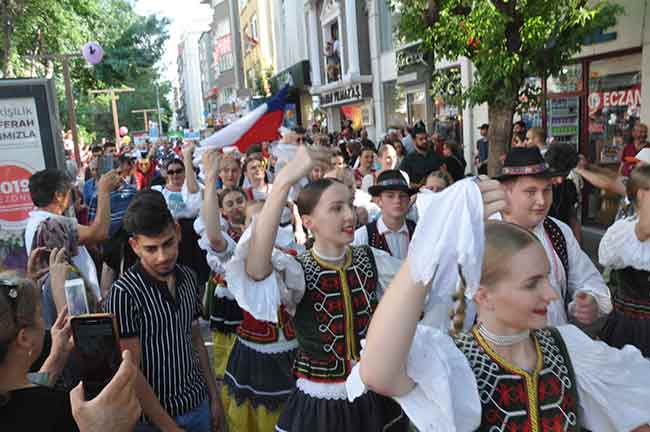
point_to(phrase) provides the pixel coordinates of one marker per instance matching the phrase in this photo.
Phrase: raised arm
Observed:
(190, 175)
(258, 262)
(210, 210)
(98, 230)
(602, 179)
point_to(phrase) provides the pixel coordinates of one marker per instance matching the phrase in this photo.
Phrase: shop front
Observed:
(349, 102)
(408, 100)
(593, 104)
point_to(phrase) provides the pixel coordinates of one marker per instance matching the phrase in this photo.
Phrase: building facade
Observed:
(258, 43)
(222, 64)
(339, 56)
(191, 107)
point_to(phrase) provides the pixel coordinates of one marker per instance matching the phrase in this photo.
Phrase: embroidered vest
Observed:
(632, 296)
(378, 241)
(263, 332)
(558, 241)
(334, 314)
(514, 400)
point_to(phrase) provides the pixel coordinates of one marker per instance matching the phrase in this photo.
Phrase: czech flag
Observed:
(261, 124)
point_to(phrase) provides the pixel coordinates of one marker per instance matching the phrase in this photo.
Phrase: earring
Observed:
(29, 353)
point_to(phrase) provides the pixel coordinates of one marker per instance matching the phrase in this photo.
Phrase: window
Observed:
(254, 34)
(242, 4)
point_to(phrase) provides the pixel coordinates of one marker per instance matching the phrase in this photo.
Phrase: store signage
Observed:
(343, 95)
(630, 97)
(410, 56)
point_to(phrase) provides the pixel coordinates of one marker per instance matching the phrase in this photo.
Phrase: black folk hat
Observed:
(390, 180)
(523, 161)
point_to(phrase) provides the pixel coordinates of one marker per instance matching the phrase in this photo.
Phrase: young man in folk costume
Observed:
(392, 232)
(527, 180)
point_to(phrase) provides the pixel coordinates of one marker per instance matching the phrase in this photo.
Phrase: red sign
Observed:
(630, 97)
(15, 199)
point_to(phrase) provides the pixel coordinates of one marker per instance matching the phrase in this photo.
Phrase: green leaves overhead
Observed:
(133, 46)
(507, 40)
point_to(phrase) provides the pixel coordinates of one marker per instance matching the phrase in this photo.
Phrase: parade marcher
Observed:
(392, 232)
(509, 371)
(582, 291)
(387, 161)
(258, 379)
(625, 248)
(437, 181)
(255, 174)
(366, 165)
(424, 160)
(331, 291)
(156, 306)
(183, 196)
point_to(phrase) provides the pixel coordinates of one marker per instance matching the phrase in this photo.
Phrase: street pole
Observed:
(160, 127)
(116, 123)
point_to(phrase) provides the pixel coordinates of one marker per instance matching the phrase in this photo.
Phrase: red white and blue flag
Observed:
(261, 124)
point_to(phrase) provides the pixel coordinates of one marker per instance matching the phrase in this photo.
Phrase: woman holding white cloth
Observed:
(509, 371)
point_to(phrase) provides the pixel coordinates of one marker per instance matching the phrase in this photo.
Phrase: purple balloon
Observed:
(93, 52)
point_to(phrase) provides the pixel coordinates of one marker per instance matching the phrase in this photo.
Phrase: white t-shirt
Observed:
(82, 260)
(182, 205)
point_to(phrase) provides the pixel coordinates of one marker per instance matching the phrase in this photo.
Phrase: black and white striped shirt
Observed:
(144, 308)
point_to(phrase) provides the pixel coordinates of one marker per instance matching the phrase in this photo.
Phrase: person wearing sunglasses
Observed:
(183, 196)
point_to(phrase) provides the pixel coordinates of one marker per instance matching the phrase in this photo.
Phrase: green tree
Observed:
(508, 41)
(132, 44)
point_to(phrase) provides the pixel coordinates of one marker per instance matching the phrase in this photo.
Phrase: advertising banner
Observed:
(30, 141)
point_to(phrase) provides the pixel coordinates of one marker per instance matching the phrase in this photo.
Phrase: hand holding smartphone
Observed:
(97, 349)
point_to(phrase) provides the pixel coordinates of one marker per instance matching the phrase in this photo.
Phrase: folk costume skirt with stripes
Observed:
(257, 383)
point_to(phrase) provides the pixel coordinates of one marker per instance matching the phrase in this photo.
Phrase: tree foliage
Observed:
(133, 45)
(508, 41)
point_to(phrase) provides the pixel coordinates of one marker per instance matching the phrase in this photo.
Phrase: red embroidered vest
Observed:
(334, 314)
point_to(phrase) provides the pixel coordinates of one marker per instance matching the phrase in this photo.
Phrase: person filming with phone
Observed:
(50, 190)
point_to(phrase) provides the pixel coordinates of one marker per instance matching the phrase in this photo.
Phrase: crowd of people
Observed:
(327, 266)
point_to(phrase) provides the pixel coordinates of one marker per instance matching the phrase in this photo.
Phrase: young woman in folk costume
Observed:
(257, 379)
(331, 291)
(220, 306)
(625, 248)
(509, 371)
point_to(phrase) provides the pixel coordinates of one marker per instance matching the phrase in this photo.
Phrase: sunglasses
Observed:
(176, 171)
(300, 140)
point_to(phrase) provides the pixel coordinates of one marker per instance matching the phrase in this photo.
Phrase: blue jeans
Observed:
(197, 420)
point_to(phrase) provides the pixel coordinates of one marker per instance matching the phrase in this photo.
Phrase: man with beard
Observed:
(423, 160)
(157, 309)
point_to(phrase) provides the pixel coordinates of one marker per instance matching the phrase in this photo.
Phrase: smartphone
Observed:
(105, 164)
(97, 349)
(75, 296)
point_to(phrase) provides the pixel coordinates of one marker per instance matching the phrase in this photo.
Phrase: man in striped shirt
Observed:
(157, 307)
